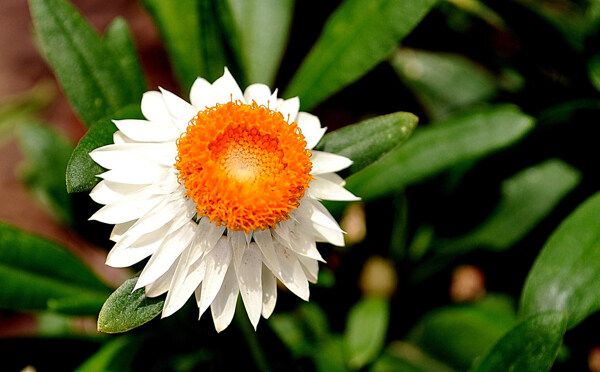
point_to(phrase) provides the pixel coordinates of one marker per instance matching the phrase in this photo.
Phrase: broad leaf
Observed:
(367, 141)
(81, 169)
(126, 309)
(119, 42)
(443, 82)
(115, 356)
(531, 345)
(359, 35)
(190, 32)
(435, 148)
(92, 80)
(527, 198)
(261, 29)
(566, 272)
(405, 357)
(46, 154)
(34, 272)
(459, 334)
(366, 329)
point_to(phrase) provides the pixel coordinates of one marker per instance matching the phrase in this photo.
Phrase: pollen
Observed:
(243, 165)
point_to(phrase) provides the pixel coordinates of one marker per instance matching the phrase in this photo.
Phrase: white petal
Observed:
(311, 268)
(238, 242)
(182, 111)
(154, 108)
(120, 138)
(259, 93)
(315, 212)
(217, 262)
(264, 240)
(332, 177)
(131, 250)
(208, 235)
(223, 306)
(128, 155)
(303, 243)
(147, 131)
(186, 279)
(335, 237)
(325, 162)
(289, 109)
(127, 208)
(146, 174)
(119, 229)
(202, 94)
(269, 291)
(321, 188)
(161, 285)
(171, 248)
(161, 215)
(311, 128)
(292, 275)
(227, 88)
(106, 192)
(249, 280)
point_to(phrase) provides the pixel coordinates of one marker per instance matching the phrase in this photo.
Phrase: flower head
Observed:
(222, 194)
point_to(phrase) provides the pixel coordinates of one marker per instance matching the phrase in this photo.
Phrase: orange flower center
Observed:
(243, 165)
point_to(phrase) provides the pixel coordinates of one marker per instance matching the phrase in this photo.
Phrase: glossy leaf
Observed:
(531, 345)
(437, 147)
(366, 329)
(261, 29)
(443, 82)
(405, 357)
(119, 42)
(29, 276)
(126, 309)
(81, 169)
(116, 355)
(566, 272)
(94, 83)
(527, 198)
(458, 334)
(46, 154)
(359, 35)
(369, 140)
(191, 35)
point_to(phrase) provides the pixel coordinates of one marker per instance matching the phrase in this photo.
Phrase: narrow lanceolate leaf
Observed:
(367, 141)
(527, 198)
(115, 355)
(531, 345)
(81, 169)
(443, 82)
(125, 310)
(359, 35)
(35, 272)
(190, 32)
(90, 77)
(435, 148)
(46, 155)
(366, 329)
(565, 275)
(119, 42)
(261, 29)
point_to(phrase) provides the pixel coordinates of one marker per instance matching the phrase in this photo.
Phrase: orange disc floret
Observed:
(243, 165)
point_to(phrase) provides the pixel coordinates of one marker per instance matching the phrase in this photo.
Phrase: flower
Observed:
(222, 194)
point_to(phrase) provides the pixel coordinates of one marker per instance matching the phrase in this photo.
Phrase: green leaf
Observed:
(81, 169)
(367, 141)
(366, 329)
(115, 356)
(119, 42)
(405, 357)
(443, 82)
(35, 272)
(566, 272)
(46, 155)
(531, 345)
(435, 148)
(191, 34)
(93, 82)
(594, 71)
(329, 356)
(359, 35)
(261, 29)
(527, 198)
(126, 309)
(459, 334)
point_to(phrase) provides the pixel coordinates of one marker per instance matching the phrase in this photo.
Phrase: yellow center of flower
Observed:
(243, 165)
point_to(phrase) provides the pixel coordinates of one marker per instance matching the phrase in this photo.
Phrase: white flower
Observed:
(222, 194)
